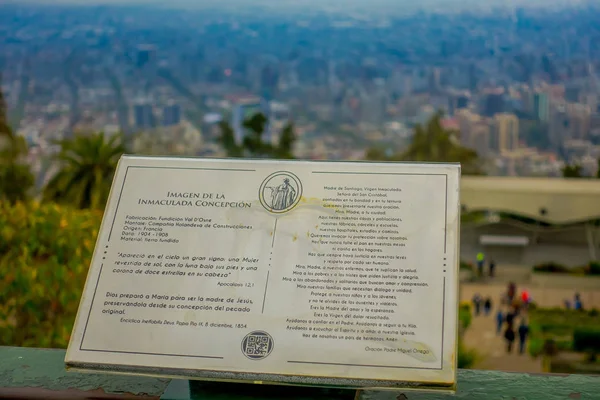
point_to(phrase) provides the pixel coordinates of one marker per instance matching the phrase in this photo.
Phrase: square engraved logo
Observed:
(257, 345)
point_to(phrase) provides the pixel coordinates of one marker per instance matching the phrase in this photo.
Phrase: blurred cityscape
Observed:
(520, 84)
(507, 88)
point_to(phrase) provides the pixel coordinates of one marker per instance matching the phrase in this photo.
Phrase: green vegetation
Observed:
(473, 217)
(41, 273)
(555, 327)
(466, 357)
(433, 143)
(464, 265)
(572, 171)
(587, 340)
(576, 171)
(87, 166)
(551, 267)
(253, 143)
(465, 316)
(593, 268)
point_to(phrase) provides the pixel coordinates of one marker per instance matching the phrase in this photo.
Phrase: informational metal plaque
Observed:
(297, 272)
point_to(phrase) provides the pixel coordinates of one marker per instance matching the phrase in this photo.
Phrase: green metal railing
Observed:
(27, 373)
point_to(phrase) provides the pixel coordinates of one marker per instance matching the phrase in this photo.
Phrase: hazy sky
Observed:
(438, 5)
(306, 2)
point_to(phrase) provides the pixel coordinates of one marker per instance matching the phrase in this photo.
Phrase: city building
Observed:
(541, 106)
(579, 120)
(572, 94)
(435, 80)
(145, 55)
(561, 215)
(171, 114)
(506, 132)
(558, 126)
(466, 121)
(493, 101)
(244, 108)
(480, 137)
(143, 115)
(457, 101)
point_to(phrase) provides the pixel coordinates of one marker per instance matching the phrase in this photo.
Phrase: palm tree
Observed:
(87, 164)
(434, 143)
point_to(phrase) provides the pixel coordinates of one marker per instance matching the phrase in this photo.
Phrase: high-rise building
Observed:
(472, 77)
(480, 138)
(466, 121)
(462, 102)
(526, 99)
(269, 79)
(145, 54)
(457, 101)
(506, 135)
(144, 116)
(572, 94)
(435, 80)
(558, 126)
(244, 108)
(171, 114)
(579, 120)
(493, 102)
(541, 106)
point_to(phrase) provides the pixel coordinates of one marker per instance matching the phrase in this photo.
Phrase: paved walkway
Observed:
(482, 337)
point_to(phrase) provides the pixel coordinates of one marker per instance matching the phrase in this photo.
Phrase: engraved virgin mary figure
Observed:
(282, 196)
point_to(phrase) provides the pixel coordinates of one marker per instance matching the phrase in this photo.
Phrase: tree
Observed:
(572, 171)
(16, 178)
(433, 143)
(42, 274)
(598, 171)
(253, 143)
(376, 154)
(286, 142)
(87, 164)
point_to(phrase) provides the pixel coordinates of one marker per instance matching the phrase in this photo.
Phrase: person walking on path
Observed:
(487, 306)
(477, 303)
(523, 332)
(511, 292)
(509, 335)
(492, 268)
(511, 314)
(480, 263)
(499, 321)
(578, 303)
(525, 299)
